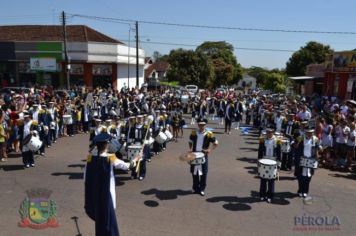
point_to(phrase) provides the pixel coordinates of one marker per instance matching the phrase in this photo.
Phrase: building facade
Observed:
(340, 76)
(35, 55)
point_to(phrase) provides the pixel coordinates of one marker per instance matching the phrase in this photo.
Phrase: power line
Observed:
(117, 20)
(195, 45)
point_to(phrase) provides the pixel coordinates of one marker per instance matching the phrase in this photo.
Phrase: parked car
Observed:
(192, 89)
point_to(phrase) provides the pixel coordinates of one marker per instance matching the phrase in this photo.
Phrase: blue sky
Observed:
(319, 15)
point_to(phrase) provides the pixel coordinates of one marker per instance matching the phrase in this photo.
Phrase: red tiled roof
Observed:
(158, 67)
(75, 33)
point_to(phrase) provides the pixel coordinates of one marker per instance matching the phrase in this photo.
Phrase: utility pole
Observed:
(67, 65)
(137, 66)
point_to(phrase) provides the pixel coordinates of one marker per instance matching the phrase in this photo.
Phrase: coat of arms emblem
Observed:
(37, 210)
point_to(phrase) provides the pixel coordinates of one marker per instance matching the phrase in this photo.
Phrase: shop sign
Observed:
(43, 64)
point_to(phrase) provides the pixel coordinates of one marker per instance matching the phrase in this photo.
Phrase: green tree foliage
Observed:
(275, 82)
(227, 70)
(190, 67)
(313, 52)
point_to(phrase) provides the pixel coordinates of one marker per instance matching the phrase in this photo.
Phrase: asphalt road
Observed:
(163, 204)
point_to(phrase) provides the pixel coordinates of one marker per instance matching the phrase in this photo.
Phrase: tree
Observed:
(226, 68)
(313, 52)
(158, 57)
(275, 82)
(190, 67)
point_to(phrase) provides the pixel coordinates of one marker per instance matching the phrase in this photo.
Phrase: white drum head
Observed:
(199, 154)
(268, 162)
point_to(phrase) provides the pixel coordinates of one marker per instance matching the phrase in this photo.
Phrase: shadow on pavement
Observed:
(151, 203)
(290, 178)
(251, 139)
(77, 165)
(252, 143)
(247, 159)
(119, 181)
(12, 167)
(249, 149)
(346, 176)
(166, 194)
(252, 169)
(14, 155)
(71, 175)
(233, 203)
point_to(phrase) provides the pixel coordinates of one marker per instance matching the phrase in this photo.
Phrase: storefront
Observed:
(340, 78)
(95, 59)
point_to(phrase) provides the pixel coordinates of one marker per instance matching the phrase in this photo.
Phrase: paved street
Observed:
(162, 204)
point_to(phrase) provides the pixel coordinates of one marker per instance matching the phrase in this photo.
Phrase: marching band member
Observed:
(26, 128)
(44, 119)
(278, 121)
(308, 148)
(96, 129)
(200, 141)
(221, 111)
(140, 134)
(269, 148)
(238, 113)
(85, 117)
(99, 180)
(290, 127)
(229, 116)
(53, 125)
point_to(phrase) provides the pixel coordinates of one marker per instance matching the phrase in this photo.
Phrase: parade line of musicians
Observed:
(126, 133)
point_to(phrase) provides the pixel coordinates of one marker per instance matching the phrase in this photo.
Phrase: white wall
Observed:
(122, 76)
(102, 52)
(247, 78)
(77, 51)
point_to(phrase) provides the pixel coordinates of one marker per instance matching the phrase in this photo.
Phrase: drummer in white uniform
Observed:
(200, 141)
(308, 148)
(269, 148)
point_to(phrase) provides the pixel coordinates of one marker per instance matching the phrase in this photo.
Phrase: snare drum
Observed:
(32, 143)
(149, 141)
(67, 119)
(133, 151)
(199, 158)
(285, 145)
(52, 125)
(169, 135)
(309, 162)
(267, 168)
(161, 138)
